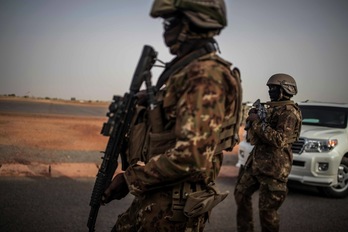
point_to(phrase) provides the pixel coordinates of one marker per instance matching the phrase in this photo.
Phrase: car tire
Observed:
(341, 189)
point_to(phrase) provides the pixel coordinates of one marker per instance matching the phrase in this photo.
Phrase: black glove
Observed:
(142, 98)
(252, 117)
(118, 189)
(249, 120)
(252, 111)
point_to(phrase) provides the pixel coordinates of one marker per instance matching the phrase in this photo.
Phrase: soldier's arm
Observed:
(281, 134)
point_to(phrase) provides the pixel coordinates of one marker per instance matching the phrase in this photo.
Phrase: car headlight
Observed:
(320, 145)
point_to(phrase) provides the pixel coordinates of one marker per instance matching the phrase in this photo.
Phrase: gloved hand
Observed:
(142, 98)
(252, 117)
(252, 111)
(249, 120)
(118, 189)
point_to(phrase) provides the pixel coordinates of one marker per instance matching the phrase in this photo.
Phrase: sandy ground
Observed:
(32, 145)
(51, 132)
(51, 144)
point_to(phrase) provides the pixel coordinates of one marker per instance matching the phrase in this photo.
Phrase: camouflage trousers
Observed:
(272, 194)
(152, 213)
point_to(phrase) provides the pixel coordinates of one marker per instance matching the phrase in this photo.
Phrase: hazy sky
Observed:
(88, 49)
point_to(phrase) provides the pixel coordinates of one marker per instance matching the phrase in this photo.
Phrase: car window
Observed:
(324, 116)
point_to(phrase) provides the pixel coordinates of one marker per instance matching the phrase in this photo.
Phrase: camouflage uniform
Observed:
(200, 111)
(198, 99)
(268, 166)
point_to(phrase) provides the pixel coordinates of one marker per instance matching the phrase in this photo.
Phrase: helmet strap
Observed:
(284, 96)
(281, 94)
(182, 37)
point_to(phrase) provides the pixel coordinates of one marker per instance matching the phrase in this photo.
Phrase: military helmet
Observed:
(285, 81)
(208, 14)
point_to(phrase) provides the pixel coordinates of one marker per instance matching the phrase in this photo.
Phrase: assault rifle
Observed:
(261, 112)
(120, 114)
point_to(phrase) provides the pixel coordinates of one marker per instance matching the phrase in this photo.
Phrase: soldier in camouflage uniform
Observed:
(270, 161)
(201, 104)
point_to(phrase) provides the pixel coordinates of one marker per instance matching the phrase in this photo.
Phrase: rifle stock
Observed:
(120, 115)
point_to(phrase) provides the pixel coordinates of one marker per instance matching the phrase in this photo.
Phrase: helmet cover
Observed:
(209, 14)
(285, 81)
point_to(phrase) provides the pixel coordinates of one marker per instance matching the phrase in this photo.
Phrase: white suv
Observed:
(321, 153)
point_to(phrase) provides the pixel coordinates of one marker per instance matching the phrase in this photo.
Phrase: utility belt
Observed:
(192, 200)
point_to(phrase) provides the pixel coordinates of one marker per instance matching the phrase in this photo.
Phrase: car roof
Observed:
(319, 103)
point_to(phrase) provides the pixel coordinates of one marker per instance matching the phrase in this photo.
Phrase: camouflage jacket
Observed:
(272, 154)
(198, 98)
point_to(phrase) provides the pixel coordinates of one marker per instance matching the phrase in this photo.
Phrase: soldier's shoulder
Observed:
(215, 58)
(294, 110)
(208, 66)
(292, 107)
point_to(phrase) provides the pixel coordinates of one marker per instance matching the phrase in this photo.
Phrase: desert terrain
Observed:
(30, 143)
(31, 139)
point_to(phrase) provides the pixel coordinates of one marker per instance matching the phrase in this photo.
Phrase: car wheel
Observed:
(341, 189)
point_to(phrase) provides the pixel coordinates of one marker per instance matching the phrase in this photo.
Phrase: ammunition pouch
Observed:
(201, 202)
(143, 142)
(160, 142)
(137, 136)
(191, 200)
(228, 135)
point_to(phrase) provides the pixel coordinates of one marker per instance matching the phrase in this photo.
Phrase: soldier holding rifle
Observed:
(272, 130)
(180, 136)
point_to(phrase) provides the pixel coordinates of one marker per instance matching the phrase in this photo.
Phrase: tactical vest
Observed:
(146, 140)
(152, 134)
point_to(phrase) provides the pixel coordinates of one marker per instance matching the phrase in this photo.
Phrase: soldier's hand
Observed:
(118, 189)
(252, 111)
(252, 117)
(142, 97)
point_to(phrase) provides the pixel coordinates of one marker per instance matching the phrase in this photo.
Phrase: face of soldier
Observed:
(274, 92)
(172, 28)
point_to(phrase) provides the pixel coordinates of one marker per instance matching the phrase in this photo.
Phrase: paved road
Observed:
(61, 204)
(19, 106)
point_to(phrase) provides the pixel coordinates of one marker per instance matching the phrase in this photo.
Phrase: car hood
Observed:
(320, 132)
